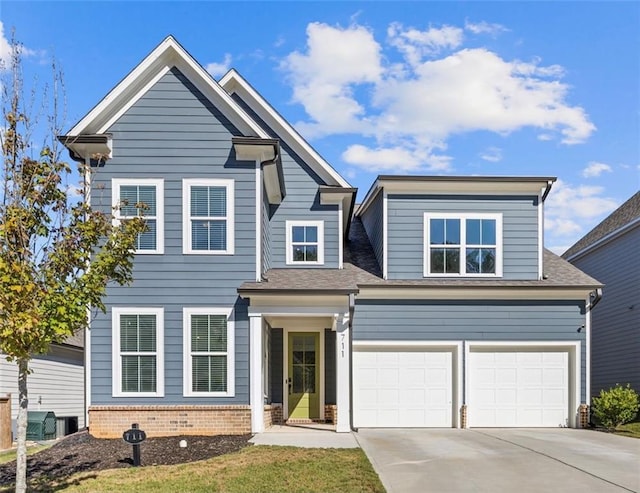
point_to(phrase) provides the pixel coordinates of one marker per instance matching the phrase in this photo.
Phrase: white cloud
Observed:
(415, 44)
(399, 159)
(348, 82)
(6, 49)
(484, 27)
(595, 169)
(492, 154)
(571, 211)
(218, 69)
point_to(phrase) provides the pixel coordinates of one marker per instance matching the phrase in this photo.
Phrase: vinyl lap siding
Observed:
(55, 384)
(419, 320)
(172, 133)
(266, 234)
(372, 220)
(615, 341)
(406, 231)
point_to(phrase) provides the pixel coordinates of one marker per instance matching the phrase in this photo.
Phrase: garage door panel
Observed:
(412, 388)
(518, 388)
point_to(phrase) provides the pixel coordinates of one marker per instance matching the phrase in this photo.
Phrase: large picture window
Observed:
(137, 352)
(208, 216)
(463, 245)
(141, 197)
(209, 358)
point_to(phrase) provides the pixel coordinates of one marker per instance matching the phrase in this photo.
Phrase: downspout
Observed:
(595, 298)
(547, 190)
(352, 307)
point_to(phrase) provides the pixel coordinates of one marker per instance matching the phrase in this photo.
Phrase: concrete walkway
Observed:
(502, 460)
(306, 436)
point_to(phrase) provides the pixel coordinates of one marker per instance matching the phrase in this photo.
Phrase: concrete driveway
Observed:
(502, 460)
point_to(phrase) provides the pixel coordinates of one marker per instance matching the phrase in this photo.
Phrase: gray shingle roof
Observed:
(622, 216)
(361, 269)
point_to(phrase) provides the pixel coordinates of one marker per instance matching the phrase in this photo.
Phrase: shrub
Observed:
(616, 406)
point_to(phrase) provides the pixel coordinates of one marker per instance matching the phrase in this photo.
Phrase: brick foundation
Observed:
(331, 414)
(163, 421)
(583, 416)
(272, 415)
(464, 420)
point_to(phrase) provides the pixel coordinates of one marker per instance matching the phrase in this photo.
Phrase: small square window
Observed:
(305, 242)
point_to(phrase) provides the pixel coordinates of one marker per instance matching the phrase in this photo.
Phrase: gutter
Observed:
(594, 298)
(547, 189)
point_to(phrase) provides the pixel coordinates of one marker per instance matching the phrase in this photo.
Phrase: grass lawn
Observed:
(253, 469)
(629, 430)
(9, 455)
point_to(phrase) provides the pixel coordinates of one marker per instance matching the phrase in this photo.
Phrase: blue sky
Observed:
(464, 88)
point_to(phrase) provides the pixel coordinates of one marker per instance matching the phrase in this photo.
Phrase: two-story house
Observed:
(263, 294)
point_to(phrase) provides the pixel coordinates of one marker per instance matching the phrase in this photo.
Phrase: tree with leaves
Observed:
(57, 255)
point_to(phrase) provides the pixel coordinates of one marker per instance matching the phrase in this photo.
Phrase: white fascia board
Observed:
(167, 54)
(472, 186)
(605, 239)
(233, 82)
(471, 293)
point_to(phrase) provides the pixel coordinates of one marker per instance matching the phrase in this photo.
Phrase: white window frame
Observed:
(117, 183)
(186, 346)
(289, 235)
(116, 362)
(463, 217)
(186, 214)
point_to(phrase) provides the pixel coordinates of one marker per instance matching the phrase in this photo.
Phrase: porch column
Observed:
(343, 380)
(256, 392)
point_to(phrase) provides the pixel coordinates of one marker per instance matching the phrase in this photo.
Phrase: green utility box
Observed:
(41, 425)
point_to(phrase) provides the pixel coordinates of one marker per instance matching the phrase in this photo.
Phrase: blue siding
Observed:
(517, 321)
(301, 203)
(406, 231)
(615, 321)
(372, 220)
(172, 133)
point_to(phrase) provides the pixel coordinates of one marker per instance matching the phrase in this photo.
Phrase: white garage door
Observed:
(402, 389)
(520, 388)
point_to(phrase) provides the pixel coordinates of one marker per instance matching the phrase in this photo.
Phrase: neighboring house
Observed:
(55, 384)
(261, 293)
(611, 253)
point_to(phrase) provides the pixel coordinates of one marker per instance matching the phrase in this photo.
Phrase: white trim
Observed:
(463, 217)
(457, 353)
(259, 231)
(117, 183)
(605, 239)
(133, 99)
(285, 368)
(343, 380)
(289, 243)
(87, 330)
(116, 374)
(540, 236)
(187, 388)
(256, 390)
(385, 235)
(340, 237)
(467, 185)
(572, 347)
(167, 54)
(233, 82)
(187, 183)
(443, 292)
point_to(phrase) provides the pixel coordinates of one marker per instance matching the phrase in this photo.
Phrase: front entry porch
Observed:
(299, 366)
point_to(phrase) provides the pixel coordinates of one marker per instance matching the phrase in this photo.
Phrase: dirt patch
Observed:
(83, 453)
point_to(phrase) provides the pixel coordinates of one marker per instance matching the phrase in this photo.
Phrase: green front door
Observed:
(304, 375)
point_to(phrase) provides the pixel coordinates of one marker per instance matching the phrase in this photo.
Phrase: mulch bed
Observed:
(81, 453)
